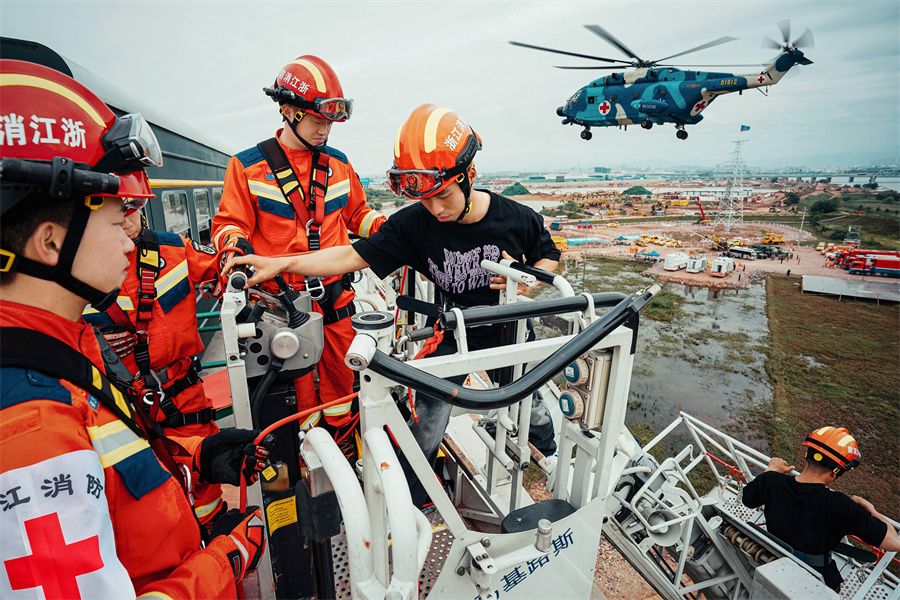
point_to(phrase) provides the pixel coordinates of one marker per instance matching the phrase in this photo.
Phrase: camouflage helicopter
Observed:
(661, 93)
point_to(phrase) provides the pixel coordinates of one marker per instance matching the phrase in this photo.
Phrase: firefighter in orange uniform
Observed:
(158, 298)
(91, 507)
(293, 193)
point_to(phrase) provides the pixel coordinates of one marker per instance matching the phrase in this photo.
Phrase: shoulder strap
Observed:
(148, 268)
(285, 176)
(313, 213)
(30, 349)
(148, 264)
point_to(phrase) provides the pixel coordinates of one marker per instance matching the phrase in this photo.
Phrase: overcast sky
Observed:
(204, 63)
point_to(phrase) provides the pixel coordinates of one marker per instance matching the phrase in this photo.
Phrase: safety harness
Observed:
(313, 214)
(29, 349)
(157, 397)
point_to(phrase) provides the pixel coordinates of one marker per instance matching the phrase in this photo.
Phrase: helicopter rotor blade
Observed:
(721, 40)
(609, 60)
(785, 27)
(806, 40)
(612, 40)
(604, 67)
(770, 43)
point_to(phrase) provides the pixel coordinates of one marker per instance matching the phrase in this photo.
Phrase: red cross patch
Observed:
(699, 106)
(604, 108)
(761, 78)
(53, 564)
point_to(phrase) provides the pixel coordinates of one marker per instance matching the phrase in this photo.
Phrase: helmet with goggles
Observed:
(833, 445)
(433, 149)
(310, 84)
(62, 143)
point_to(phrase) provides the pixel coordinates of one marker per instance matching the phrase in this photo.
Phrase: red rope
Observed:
(732, 470)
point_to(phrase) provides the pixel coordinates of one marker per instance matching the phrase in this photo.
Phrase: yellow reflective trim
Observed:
(120, 401)
(150, 257)
(122, 452)
(317, 75)
(337, 409)
(337, 189)
(266, 191)
(310, 421)
(172, 278)
(368, 221)
(9, 79)
(159, 595)
(207, 509)
(846, 440)
(124, 303)
(290, 187)
(97, 433)
(96, 378)
(283, 174)
(434, 119)
(225, 230)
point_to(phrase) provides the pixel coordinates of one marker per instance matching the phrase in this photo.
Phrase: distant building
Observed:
(601, 170)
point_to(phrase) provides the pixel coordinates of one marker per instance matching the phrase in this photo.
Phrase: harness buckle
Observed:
(315, 288)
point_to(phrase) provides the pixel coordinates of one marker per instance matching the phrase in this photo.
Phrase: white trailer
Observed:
(675, 261)
(696, 264)
(721, 266)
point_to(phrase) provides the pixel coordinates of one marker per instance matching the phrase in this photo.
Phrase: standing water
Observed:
(708, 360)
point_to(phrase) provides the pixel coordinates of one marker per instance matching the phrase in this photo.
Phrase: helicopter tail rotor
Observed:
(806, 40)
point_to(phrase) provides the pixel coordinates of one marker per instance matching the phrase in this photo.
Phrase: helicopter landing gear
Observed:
(646, 123)
(586, 134)
(681, 134)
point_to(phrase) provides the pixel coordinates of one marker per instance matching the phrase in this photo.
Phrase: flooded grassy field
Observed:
(700, 351)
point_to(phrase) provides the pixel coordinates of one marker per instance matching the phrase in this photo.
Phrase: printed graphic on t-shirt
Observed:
(462, 271)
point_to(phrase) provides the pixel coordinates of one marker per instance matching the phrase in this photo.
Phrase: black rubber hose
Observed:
(260, 392)
(456, 395)
(481, 315)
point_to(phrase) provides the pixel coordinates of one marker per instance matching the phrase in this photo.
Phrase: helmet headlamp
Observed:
(130, 145)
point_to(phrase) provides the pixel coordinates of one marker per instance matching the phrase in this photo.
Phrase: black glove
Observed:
(224, 455)
(244, 246)
(246, 531)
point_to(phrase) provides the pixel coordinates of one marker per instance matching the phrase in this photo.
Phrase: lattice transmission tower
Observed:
(731, 206)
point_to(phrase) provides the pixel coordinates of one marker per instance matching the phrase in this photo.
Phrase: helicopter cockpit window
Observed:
(574, 99)
(592, 99)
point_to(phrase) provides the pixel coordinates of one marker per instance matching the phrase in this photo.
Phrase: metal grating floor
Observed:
(441, 542)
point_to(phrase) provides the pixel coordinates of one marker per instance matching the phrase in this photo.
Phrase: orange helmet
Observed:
(59, 138)
(836, 444)
(59, 141)
(433, 148)
(309, 83)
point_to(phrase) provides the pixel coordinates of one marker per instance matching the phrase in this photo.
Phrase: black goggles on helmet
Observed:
(421, 183)
(333, 109)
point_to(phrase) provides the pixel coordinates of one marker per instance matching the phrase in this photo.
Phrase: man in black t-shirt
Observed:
(444, 236)
(811, 518)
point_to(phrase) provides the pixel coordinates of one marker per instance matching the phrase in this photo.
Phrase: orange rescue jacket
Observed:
(88, 511)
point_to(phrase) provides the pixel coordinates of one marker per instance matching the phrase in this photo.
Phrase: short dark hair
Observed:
(825, 465)
(20, 222)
